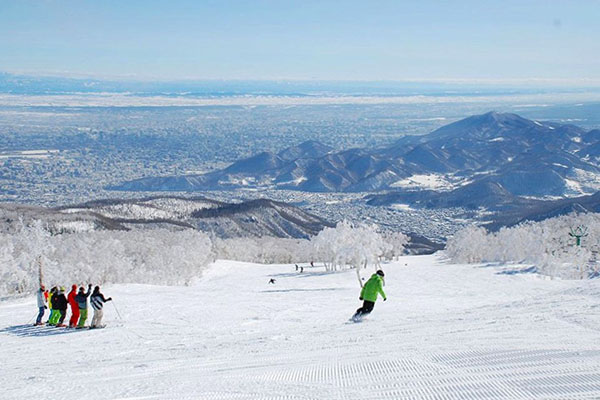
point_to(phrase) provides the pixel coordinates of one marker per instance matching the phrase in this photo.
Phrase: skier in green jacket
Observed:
(369, 292)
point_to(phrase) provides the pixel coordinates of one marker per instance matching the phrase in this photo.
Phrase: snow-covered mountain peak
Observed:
(307, 149)
(485, 126)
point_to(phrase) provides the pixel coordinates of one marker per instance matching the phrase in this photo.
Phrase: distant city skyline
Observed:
(463, 41)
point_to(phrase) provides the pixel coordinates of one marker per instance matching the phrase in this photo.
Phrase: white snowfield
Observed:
(445, 332)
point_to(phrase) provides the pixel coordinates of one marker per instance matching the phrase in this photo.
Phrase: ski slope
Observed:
(446, 332)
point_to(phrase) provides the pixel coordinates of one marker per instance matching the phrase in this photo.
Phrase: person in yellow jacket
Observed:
(372, 288)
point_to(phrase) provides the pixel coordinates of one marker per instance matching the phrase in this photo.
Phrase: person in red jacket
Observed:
(74, 307)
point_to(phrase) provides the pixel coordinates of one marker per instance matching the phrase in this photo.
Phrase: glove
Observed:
(46, 307)
(360, 298)
(385, 298)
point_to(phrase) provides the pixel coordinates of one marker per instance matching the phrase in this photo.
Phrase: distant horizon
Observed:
(551, 82)
(315, 40)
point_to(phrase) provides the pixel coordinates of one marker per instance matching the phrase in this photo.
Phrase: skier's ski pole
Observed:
(31, 320)
(116, 309)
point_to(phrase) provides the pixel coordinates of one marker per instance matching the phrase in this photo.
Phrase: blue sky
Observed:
(326, 40)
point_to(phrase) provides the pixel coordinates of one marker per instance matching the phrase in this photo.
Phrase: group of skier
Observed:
(58, 303)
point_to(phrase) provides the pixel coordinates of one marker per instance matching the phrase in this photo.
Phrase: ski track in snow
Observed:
(446, 332)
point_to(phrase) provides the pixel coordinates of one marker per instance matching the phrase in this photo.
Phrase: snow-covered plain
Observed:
(446, 332)
(120, 99)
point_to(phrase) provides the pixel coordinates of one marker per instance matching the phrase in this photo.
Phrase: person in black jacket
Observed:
(98, 301)
(59, 302)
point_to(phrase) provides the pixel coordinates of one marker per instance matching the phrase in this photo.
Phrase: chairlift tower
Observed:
(578, 233)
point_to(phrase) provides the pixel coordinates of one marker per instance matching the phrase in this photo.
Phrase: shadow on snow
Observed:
(515, 271)
(300, 290)
(33, 331)
(304, 274)
(504, 270)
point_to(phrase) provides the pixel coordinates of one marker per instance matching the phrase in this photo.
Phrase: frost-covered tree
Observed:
(468, 245)
(396, 242)
(353, 245)
(159, 256)
(547, 244)
(150, 256)
(268, 250)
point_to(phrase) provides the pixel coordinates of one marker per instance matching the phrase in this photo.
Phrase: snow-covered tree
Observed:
(161, 256)
(397, 242)
(546, 244)
(149, 256)
(268, 250)
(354, 245)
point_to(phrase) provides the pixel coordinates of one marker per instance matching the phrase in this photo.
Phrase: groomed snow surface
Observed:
(446, 332)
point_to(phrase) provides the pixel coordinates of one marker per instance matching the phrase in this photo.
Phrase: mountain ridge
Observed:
(254, 218)
(526, 157)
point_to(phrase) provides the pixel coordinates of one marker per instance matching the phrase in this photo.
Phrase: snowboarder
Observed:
(50, 306)
(369, 292)
(98, 301)
(272, 281)
(59, 302)
(296, 267)
(82, 302)
(41, 303)
(301, 269)
(74, 307)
